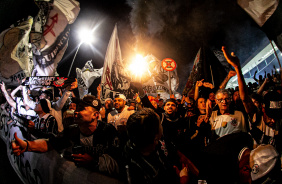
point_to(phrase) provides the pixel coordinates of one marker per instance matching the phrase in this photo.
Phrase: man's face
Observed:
(108, 104)
(72, 106)
(38, 108)
(189, 103)
(223, 101)
(268, 120)
(170, 108)
(161, 103)
(83, 116)
(119, 104)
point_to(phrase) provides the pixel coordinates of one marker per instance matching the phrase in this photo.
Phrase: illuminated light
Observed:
(138, 66)
(86, 36)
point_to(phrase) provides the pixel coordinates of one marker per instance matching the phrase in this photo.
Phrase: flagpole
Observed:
(74, 58)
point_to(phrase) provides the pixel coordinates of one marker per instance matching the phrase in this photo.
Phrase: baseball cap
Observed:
(273, 104)
(262, 160)
(90, 100)
(120, 96)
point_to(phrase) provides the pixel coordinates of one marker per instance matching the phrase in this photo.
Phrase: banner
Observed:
(50, 34)
(155, 80)
(48, 81)
(114, 78)
(15, 50)
(15, 80)
(86, 76)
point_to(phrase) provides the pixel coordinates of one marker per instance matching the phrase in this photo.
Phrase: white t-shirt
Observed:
(227, 124)
(120, 118)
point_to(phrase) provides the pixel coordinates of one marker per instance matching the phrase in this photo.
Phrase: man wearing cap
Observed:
(108, 109)
(90, 144)
(123, 114)
(45, 124)
(265, 128)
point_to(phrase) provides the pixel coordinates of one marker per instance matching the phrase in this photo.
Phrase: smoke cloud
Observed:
(178, 28)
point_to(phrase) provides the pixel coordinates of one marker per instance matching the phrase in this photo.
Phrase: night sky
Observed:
(167, 28)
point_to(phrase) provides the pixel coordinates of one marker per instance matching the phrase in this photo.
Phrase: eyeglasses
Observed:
(223, 99)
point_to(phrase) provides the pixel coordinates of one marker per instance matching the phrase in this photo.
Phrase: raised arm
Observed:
(260, 90)
(27, 99)
(13, 93)
(228, 77)
(198, 85)
(7, 96)
(255, 76)
(99, 91)
(243, 90)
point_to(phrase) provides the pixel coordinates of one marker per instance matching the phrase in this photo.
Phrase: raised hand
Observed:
(199, 83)
(231, 58)
(232, 73)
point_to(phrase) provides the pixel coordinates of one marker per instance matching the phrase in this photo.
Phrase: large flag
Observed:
(86, 76)
(268, 15)
(114, 78)
(50, 34)
(155, 80)
(15, 50)
(207, 67)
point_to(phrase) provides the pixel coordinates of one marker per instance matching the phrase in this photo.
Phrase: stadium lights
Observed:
(85, 36)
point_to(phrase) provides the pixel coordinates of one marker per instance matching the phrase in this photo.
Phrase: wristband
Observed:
(26, 149)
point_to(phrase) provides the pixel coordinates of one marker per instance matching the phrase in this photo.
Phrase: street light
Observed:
(85, 36)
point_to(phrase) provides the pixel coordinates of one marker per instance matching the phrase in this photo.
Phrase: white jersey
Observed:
(120, 118)
(227, 124)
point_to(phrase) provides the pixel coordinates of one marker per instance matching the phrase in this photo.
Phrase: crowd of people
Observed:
(215, 136)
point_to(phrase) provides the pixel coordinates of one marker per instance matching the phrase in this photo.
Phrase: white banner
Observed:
(86, 76)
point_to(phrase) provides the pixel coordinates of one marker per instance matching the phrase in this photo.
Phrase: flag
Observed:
(86, 76)
(189, 88)
(50, 34)
(268, 15)
(115, 78)
(259, 10)
(155, 80)
(207, 67)
(15, 50)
